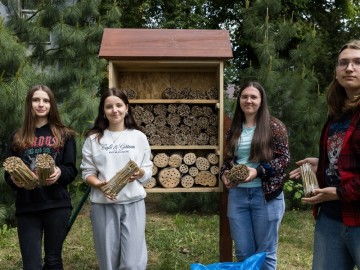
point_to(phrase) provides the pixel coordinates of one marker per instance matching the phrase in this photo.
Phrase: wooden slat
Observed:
(120, 44)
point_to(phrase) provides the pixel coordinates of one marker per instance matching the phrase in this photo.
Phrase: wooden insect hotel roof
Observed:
(165, 44)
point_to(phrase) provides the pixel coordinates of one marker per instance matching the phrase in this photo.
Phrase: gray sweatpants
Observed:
(119, 235)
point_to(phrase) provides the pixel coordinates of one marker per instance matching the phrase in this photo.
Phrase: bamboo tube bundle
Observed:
(45, 166)
(138, 112)
(203, 122)
(207, 111)
(181, 139)
(170, 93)
(172, 108)
(183, 110)
(211, 130)
(214, 120)
(185, 93)
(150, 129)
(197, 111)
(309, 180)
(120, 179)
(130, 93)
(190, 120)
(213, 140)
(212, 93)
(202, 139)
(154, 139)
(160, 109)
(160, 121)
(147, 117)
(20, 172)
(238, 173)
(173, 119)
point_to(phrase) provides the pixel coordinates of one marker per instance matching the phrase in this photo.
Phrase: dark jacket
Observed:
(45, 197)
(272, 174)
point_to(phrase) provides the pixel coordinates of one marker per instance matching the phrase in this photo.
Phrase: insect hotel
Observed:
(174, 81)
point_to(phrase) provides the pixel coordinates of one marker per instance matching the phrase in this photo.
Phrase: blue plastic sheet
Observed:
(252, 263)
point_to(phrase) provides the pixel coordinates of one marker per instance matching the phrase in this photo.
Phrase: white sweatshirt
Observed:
(106, 158)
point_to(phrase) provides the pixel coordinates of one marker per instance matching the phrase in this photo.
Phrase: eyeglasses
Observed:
(344, 63)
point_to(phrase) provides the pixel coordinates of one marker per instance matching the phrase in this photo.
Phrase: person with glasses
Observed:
(336, 204)
(256, 206)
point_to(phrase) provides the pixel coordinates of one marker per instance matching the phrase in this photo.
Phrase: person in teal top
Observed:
(256, 205)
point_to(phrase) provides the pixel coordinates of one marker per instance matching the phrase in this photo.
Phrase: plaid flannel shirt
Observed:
(349, 170)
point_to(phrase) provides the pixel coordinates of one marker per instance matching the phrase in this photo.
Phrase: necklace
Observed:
(114, 139)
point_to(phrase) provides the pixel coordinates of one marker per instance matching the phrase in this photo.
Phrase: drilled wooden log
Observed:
(189, 158)
(214, 169)
(155, 169)
(20, 173)
(238, 173)
(202, 164)
(183, 168)
(119, 180)
(151, 183)
(193, 171)
(205, 178)
(45, 166)
(175, 160)
(161, 160)
(169, 177)
(212, 158)
(187, 181)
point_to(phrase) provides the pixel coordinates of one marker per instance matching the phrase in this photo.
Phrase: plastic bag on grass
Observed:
(252, 263)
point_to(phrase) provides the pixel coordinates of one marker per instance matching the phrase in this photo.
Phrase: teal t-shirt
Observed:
(242, 153)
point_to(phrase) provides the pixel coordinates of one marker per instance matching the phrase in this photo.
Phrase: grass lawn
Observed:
(174, 242)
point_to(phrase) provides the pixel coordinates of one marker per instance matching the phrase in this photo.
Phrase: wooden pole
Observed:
(225, 238)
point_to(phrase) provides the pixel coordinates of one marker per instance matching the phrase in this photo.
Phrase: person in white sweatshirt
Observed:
(118, 223)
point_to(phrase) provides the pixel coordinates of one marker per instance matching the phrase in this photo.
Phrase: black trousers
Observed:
(49, 226)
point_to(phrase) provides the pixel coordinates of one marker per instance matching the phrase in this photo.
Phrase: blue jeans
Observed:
(336, 246)
(51, 223)
(254, 223)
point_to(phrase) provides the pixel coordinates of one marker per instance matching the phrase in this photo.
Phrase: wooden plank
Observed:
(118, 43)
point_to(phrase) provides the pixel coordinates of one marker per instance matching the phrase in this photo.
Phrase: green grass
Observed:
(174, 242)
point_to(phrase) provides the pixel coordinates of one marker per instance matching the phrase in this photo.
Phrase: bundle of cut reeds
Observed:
(309, 180)
(45, 167)
(120, 179)
(20, 172)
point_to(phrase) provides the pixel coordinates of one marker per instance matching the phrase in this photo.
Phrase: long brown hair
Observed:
(102, 123)
(337, 100)
(262, 142)
(24, 137)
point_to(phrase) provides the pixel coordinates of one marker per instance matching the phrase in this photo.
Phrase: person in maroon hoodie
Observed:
(42, 213)
(336, 204)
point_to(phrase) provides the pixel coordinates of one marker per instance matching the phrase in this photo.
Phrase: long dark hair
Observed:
(262, 142)
(337, 100)
(24, 137)
(102, 123)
